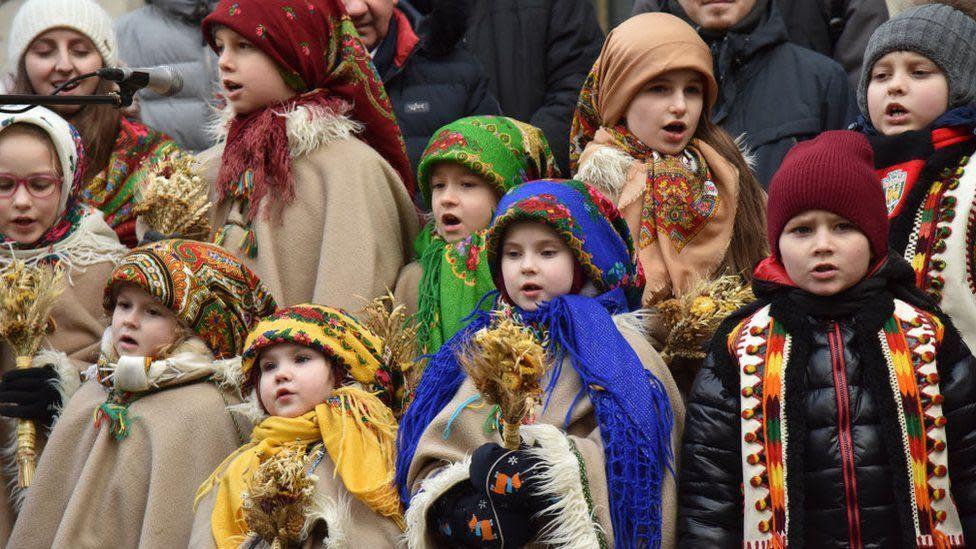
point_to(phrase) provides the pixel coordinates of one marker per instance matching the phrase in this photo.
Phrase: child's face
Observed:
(537, 265)
(906, 91)
(30, 187)
(665, 114)
(249, 77)
(824, 253)
(462, 202)
(57, 56)
(372, 19)
(141, 325)
(294, 379)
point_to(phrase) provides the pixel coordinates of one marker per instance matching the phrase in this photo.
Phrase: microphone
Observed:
(163, 80)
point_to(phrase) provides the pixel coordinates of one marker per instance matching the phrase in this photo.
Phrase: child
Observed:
(918, 99)
(321, 384)
(132, 445)
(600, 470)
(312, 178)
(840, 403)
(43, 222)
(643, 136)
(468, 165)
(52, 41)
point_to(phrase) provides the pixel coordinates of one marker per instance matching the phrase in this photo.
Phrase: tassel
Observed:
(116, 414)
(492, 422)
(249, 243)
(220, 236)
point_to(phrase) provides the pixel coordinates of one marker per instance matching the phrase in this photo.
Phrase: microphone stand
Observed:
(120, 99)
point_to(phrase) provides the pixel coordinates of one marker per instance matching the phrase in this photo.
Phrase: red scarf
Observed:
(897, 180)
(318, 52)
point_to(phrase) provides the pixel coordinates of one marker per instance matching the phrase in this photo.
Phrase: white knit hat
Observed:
(36, 17)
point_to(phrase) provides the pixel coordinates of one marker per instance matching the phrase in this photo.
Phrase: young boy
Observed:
(917, 94)
(597, 469)
(468, 165)
(836, 410)
(321, 387)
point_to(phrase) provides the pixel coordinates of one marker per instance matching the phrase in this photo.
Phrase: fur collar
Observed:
(308, 128)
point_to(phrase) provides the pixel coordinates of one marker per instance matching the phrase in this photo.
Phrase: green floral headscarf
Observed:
(505, 153)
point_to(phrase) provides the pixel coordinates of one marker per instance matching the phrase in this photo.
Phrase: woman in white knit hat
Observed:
(51, 41)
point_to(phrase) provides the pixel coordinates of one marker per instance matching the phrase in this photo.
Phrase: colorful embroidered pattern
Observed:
(356, 352)
(210, 291)
(113, 190)
(601, 243)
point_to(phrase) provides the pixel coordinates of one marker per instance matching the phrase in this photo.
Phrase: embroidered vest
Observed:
(908, 341)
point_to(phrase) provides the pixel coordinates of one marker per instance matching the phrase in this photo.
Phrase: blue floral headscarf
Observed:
(631, 405)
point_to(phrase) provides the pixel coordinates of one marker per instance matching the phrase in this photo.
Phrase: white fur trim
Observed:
(227, 374)
(607, 169)
(69, 379)
(572, 524)
(336, 514)
(432, 487)
(308, 127)
(636, 321)
(752, 160)
(250, 409)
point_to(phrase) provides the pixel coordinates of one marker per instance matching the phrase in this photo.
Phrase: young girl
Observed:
(131, 446)
(468, 165)
(837, 410)
(642, 135)
(918, 98)
(52, 41)
(311, 182)
(42, 222)
(597, 469)
(320, 383)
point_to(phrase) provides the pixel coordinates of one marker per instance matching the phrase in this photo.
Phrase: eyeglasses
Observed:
(38, 186)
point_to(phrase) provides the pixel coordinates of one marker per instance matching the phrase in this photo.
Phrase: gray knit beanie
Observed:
(943, 34)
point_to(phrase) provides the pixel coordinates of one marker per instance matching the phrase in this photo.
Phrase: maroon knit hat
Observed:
(833, 172)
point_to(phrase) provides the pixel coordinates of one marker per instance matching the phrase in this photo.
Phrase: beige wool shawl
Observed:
(347, 233)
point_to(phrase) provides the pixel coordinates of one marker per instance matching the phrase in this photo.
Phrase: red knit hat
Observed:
(834, 172)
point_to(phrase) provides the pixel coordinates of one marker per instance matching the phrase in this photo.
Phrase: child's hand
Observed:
(30, 394)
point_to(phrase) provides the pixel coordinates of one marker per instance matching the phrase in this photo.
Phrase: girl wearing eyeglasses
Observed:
(42, 221)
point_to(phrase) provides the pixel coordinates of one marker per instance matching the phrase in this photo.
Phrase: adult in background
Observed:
(774, 92)
(52, 41)
(537, 54)
(836, 28)
(167, 32)
(429, 77)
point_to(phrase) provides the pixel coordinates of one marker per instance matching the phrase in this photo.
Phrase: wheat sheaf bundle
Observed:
(506, 362)
(27, 296)
(172, 199)
(692, 319)
(390, 321)
(279, 498)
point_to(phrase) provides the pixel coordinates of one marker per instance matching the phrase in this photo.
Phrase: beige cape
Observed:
(407, 292)
(349, 229)
(94, 491)
(572, 526)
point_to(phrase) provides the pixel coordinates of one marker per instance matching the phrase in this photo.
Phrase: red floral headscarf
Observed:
(319, 54)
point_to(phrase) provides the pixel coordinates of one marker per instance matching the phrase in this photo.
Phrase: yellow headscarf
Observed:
(356, 426)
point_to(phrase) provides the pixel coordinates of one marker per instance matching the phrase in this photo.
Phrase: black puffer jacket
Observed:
(774, 92)
(537, 54)
(841, 351)
(433, 81)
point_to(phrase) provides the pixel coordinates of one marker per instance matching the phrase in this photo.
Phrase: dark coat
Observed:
(836, 28)
(710, 493)
(774, 92)
(537, 54)
(430, 78)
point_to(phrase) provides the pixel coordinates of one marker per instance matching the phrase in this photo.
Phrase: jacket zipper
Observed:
(844, 438)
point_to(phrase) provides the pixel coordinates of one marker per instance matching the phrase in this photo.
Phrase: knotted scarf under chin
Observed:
(631, 405)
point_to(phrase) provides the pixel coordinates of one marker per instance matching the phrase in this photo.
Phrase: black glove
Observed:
(508, 476)
(465, 517)
(30, 394)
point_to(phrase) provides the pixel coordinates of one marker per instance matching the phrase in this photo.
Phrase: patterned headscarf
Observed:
(631, 406)
(210, 291)
(354, 350)
(504, 153)
(319, 55)
(588, 222)
(70, 156)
